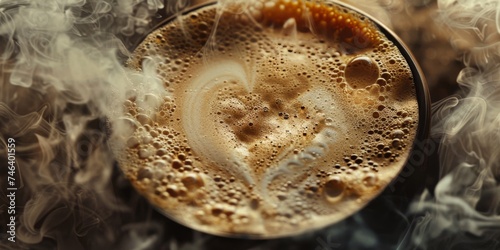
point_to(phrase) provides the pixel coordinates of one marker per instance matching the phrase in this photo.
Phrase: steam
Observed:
(62, 91)
(464, 207)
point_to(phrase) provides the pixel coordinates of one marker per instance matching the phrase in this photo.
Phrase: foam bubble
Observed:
(334, 188)
(361, 72)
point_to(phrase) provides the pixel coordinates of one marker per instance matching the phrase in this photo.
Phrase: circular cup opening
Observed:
(354, 48)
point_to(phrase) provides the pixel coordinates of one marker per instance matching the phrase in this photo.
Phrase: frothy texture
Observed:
(280, 117)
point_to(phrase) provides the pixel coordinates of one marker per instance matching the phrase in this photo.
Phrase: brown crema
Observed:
(280, 117)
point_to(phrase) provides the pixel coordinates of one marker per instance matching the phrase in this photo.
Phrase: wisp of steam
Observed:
(62, 90)
(63, 85)
(463, 211)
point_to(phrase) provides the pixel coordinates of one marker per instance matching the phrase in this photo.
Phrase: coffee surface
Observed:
(279, 117)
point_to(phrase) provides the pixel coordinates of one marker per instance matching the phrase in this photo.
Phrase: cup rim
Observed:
(422, 133)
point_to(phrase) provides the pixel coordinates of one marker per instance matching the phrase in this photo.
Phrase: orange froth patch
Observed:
(332, 22)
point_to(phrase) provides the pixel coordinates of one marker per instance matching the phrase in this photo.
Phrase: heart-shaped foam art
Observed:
(279, 117)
